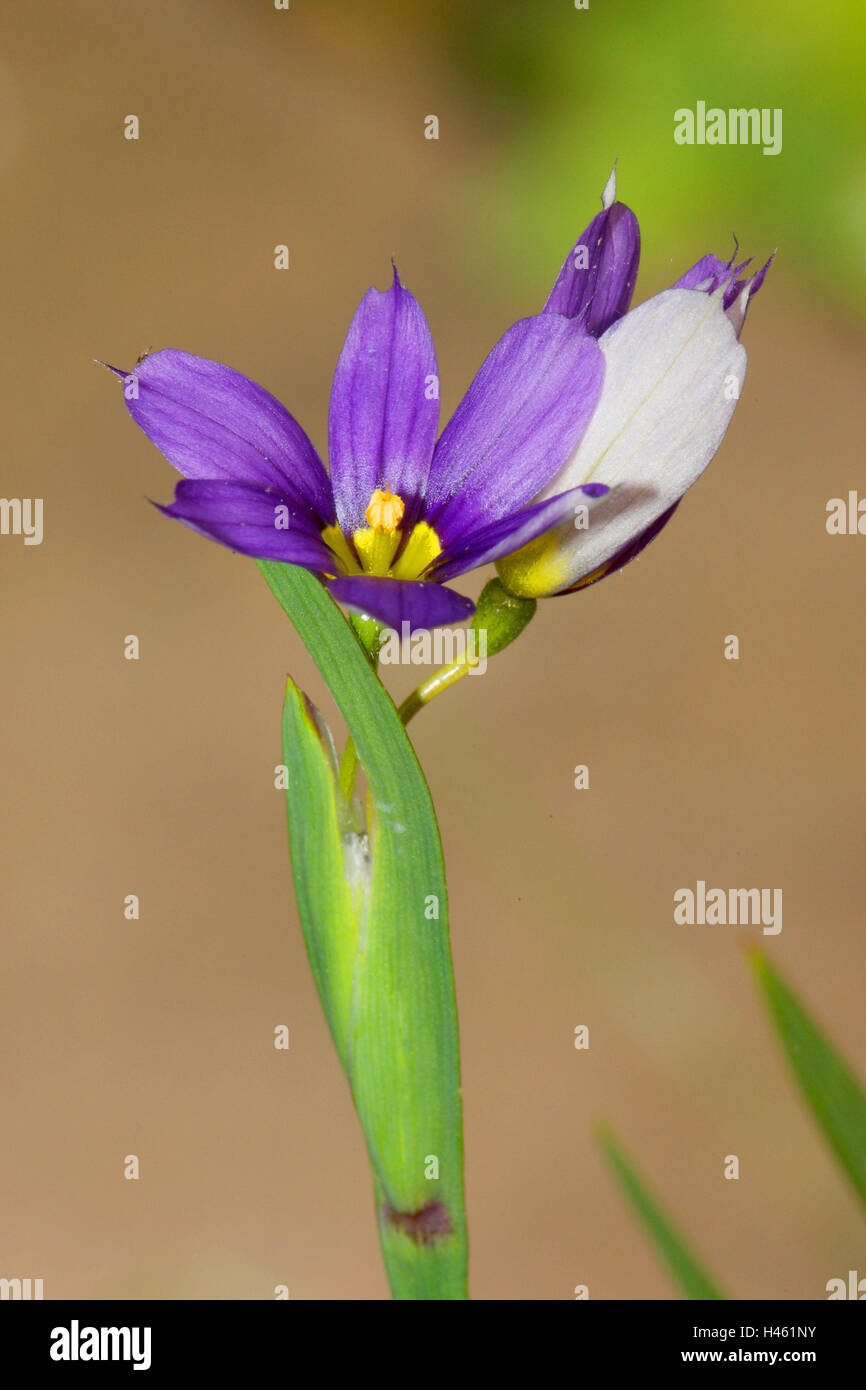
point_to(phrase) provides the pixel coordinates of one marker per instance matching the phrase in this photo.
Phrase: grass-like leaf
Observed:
(664, 1236)
(387, 986)
(833, 1094)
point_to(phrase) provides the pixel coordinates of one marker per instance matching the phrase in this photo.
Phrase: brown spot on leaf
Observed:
(424, 1226)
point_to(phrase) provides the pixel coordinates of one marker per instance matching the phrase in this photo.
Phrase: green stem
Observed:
(441, 680)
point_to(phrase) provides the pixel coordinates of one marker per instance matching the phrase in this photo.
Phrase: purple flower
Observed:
(674, 369)
(586, 399)
(400, 514)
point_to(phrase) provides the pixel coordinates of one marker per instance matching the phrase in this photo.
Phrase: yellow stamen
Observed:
(385, 511)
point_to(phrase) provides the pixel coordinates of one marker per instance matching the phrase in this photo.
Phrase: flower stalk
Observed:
(434, 685)
(500, 617)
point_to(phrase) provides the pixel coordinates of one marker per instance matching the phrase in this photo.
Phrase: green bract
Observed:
(501, 615)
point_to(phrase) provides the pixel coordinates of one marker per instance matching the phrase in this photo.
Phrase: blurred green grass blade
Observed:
(833, 1093)
(663, 1235)
(400, 1028)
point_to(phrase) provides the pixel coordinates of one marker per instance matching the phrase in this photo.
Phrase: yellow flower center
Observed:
(377, 544)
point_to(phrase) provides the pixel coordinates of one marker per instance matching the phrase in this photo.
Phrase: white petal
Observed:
(673, 374)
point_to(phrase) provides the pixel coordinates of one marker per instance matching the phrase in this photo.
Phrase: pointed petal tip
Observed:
(168, 509)
(758, 278)
(212, 422)
(597, 278)
(108, 367)
(608, 196)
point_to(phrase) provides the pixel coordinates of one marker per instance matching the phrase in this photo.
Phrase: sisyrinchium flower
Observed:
(586, 406)
(674, 369)
(399, 514)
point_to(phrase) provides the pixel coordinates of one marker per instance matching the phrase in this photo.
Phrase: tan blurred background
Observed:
(155, 777)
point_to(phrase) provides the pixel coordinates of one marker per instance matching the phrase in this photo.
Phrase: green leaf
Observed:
(669, 1244)
(833, 1093)
(385, 977)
